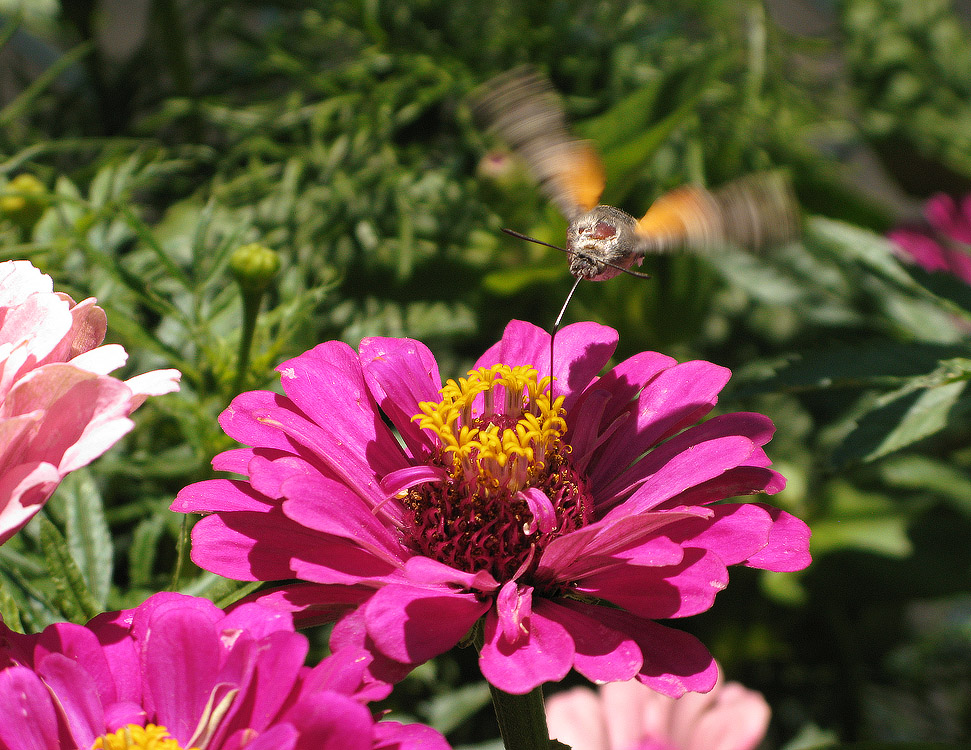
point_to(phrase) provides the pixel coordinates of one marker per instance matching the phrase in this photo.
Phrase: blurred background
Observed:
(142, 142)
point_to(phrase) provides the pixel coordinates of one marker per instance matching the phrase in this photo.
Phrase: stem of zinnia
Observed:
(254, 267)
(522, 718)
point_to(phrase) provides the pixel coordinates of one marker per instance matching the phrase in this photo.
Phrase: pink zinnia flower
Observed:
(59, 408)
(569, 526)
(177, 672)
(631, 716)
(946, 244)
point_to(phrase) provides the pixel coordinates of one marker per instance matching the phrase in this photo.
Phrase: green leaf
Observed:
(923, 473)
(88, 535)
(899, 419)
(885, 363)
(450, 710)
(74, 598)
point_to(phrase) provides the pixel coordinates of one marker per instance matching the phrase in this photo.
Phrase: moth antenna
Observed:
(521, 236)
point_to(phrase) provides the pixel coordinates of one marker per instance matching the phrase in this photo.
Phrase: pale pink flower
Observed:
(59, 408)
(631, 716)
(568, 524)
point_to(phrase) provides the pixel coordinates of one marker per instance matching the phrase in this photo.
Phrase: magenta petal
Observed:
(278, 737)
(280, 659)
(658, 593)
(390, 735)
(626, 380)
(679, 396)
(755, 427)
(27, 718)
(514, 606)
(182, 654)
(743, 480)
(215, 495)
(411, 624)
(330, 375)
(788, 546)
(735, 533)
(318, 503)
(591, 549)
(271, 547)
(81, 706)
(330, 721)
(402, 373)
(350, 634)
(546, 654)
(685, 470)
(581, 351)
(602, 654)
(675, 662)
(544, 515)
(425, 571)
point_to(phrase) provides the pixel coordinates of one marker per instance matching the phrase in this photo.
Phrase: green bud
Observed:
(23, 200)
(254, 266)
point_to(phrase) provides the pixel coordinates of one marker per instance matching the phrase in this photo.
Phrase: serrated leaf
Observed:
(144, 547)
(74, 599)
(88, 535)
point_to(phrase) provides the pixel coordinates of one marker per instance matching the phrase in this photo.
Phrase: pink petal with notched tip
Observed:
(735, 532)
(788, 545)
(215, 495)
(327, 384)
(412, 624)
(655, 593)
(580, 352)
(544, 654)
(181, 662)
(675, 662)
(601, 653)
(81, 706)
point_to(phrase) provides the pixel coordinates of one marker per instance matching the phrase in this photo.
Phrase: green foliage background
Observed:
(167, 134)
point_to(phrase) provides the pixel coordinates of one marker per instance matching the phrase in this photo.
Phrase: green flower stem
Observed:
(522, 718)
(251, 310)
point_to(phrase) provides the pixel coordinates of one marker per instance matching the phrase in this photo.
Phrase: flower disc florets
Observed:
(510, 486)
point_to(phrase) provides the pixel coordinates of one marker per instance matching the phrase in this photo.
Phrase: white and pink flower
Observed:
(59, 407)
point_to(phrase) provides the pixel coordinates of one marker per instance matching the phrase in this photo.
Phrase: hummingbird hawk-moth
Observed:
(603, 241)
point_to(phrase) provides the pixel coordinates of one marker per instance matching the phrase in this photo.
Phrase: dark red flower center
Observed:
(510, 486)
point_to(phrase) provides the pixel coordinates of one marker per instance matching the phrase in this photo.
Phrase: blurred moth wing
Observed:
(522, 107)
(752, 212)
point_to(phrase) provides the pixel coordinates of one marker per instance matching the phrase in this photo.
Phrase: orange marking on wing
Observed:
(674, 215)
(582, 176)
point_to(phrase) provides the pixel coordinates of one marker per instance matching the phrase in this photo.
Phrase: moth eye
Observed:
(602, 230)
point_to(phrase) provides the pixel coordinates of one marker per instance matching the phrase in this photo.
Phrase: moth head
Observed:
(601, 243)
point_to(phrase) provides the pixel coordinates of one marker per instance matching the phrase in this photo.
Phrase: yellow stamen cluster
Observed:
(474, 421)
(134, 737)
